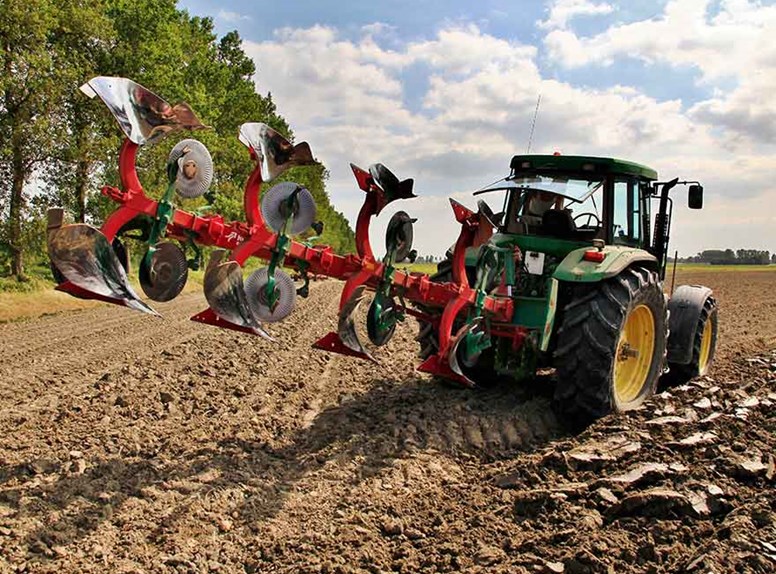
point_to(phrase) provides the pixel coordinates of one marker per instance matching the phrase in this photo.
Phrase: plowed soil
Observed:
(135, 445)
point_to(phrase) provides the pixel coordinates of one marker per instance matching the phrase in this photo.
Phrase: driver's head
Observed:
(539, 202)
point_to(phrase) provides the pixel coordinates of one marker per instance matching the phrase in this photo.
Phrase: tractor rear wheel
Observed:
(611, 346)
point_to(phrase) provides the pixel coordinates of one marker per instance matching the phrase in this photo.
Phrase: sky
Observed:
(445, 92)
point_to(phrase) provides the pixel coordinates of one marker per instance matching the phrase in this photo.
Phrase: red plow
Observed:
(92, 263)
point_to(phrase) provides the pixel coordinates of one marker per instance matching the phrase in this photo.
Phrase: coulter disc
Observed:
(195, 168)
(163, 274)
(381, 320)
(399, 235)
(259, 300)
(277, 208)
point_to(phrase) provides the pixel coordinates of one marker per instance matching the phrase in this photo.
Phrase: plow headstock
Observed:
(91, 262)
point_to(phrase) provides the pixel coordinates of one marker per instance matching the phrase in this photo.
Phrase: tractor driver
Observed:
(537, 204)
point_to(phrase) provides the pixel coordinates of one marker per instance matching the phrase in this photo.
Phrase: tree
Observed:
(56, 140)
(39, 40)
(27, 96)
(83, 51)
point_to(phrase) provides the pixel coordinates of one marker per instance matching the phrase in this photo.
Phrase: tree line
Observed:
(730, 257)
(57, 147)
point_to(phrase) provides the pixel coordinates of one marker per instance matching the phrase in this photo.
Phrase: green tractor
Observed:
(580, 247)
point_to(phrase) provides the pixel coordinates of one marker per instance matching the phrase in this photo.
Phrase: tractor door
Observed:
(628, 212)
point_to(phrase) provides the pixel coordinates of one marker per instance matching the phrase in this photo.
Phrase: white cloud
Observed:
(232, 17)
(378, 29)
(739, 36)
(747, 113)
(561, 11)
(347, 98)
(464, 50)
(734, 46)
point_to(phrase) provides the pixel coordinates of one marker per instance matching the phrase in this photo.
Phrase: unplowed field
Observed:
(136, 445)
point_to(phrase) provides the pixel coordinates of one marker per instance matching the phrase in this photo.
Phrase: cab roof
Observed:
(532, 163)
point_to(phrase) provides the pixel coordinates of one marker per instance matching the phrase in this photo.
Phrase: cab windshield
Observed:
(575, 202)
(576, 190)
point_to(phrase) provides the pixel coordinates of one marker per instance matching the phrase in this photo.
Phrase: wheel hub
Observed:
(705, 354)
(635, 350)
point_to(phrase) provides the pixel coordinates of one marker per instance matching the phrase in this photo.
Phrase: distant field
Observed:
(38, 298)
(432, 267)
(720, 268)
(428, 268)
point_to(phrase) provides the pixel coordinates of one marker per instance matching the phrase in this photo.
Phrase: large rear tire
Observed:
(611, 346)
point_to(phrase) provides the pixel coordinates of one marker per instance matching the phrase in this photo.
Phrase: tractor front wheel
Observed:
(611, 346)
(703, 345)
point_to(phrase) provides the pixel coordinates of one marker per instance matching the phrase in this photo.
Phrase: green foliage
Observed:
(730, 257)
(37, 38)
(67, 145)
(37, 277)
(423, 267)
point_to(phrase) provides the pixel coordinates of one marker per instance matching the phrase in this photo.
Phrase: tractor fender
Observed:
(684, 307)
(617, 258)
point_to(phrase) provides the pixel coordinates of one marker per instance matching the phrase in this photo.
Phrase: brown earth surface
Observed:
(131, 444)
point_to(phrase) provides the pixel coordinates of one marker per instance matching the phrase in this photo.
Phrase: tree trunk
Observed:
(81, 186)
(15, 220)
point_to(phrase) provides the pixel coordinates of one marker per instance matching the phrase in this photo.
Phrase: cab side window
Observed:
(626, 215)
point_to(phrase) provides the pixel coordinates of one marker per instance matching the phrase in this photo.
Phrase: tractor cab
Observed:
(576, 199)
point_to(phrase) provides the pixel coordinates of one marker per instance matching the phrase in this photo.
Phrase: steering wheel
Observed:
(590, 217)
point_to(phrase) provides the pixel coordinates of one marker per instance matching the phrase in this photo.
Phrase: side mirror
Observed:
(695, 197)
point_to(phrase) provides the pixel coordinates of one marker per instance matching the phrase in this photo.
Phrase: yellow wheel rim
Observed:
(635, 351)
(705, 354)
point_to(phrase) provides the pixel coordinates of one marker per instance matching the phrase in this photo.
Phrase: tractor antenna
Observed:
(533, 123)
